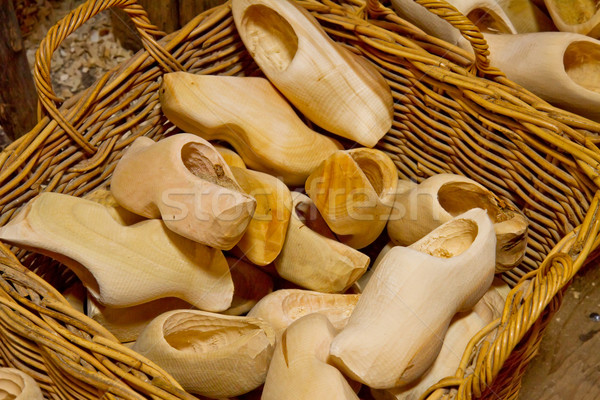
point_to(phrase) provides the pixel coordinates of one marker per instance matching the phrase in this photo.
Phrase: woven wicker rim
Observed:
(74, 148)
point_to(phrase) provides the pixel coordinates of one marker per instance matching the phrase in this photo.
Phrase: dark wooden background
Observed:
(18, 99)
(167, 15)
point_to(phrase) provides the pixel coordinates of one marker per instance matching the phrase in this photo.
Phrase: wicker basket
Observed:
(453, 113)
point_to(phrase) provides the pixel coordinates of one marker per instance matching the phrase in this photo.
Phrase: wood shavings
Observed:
(84, 56)
(30, 12)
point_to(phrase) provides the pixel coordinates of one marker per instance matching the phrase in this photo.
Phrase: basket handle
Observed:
(451, 15)
(63, 28)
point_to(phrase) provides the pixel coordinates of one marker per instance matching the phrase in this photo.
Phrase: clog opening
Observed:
(449, 240)
(582, 64)
(372, 170)
(337, 307)
(192, 155)
(459, 197)
(203, 334)
(270, 38)
(575, 12)
(488, 21)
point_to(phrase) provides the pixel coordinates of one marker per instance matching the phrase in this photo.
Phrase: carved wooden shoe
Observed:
(276, 142)
(299, 369)
(263, 240)
(462, 328)
(430, 23)
(526, 16)
(17, 385)
(577, 16)
(126, 323)
(285, 306)
(391, 337)
(121, 266)
(568, 60)
(184, 180)
(313, 261)
(442, 197)
(209, 354)
(354, 192)
(250, 285)
(327, 83)
(364, 280)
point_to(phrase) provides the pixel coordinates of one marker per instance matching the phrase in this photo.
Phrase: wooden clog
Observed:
(232, 109)
(185, 181)
(487, 15)
(442, 197)
(570, 61)
(299, 368)
(209, 354)
(392, 336)
(264, 237)
(326, 82)
(462, 328)
(526, 16)
(285, 306)
(126, 323)
(354, 192)
(17, 385)
(577, 16)
(312, 260)
(121, 266)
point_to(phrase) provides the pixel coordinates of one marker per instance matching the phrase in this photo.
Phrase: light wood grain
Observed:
(314, 261)
(210, 354)
(121, 266)
(277, 142)
(570, 61)
(299, 368)
(354, 191)
(185, 181)
(265, 235)
(17, 385)
(282, 307)
(440, 198)
(393, 335)
(579, 16)
(342, 93)
(526, 16)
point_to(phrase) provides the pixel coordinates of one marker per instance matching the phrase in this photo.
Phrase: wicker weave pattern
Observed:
(535, 157)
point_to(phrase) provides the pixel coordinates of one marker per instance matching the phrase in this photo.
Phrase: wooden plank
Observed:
(164, 14)
(124, 30)
(568, 363)
(188, 9)
(168, 15)
(18, 98)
